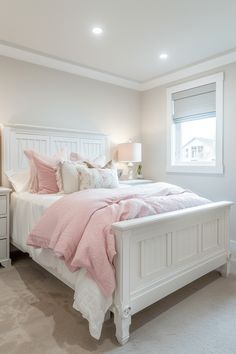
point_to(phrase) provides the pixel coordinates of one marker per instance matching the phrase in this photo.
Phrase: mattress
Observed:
(26, 210)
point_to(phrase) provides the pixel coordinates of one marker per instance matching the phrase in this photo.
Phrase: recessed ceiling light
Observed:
(163, 56)
(97, 31)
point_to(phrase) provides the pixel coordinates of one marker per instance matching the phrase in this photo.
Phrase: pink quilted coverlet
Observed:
(78, 226)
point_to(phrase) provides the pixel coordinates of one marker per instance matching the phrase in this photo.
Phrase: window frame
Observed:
(201, 167)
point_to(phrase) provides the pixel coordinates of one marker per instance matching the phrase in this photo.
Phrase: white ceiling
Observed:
(135, 32)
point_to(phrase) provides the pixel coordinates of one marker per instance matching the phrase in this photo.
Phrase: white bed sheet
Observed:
(26, 210)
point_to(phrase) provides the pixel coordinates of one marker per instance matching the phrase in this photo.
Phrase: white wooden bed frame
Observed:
(156, 255)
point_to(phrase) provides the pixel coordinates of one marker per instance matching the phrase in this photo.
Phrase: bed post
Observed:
(121, 308)
(224, 270)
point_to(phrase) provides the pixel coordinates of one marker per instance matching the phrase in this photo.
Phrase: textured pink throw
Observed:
(78, 227)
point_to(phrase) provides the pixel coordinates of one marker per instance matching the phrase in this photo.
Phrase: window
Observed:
(195, 116)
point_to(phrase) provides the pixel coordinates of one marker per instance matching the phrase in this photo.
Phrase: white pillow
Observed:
(69, 176)
(19, 180)
(97, 177)
(97, 162)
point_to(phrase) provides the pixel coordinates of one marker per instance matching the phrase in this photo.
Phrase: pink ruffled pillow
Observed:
(35, 161)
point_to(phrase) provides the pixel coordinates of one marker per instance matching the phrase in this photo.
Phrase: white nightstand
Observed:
(135, 182)
(4, 226)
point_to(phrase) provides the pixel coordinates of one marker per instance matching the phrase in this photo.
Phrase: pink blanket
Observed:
(78, 226)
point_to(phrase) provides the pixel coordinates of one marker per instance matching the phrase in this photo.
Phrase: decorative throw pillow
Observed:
(97, 178)
(70, 176)
(109, 164)
(47, 177)
(51, 161)
(19, 180)
(33, 182)
(98, 162)
(75, 156)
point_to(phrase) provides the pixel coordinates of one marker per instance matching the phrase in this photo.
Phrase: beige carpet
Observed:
(36, 316)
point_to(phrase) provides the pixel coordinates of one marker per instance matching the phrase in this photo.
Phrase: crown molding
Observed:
(207, 65)
(57, 64)
(43, 60)
(43, 127)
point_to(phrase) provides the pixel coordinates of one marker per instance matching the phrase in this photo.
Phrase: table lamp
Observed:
(130, 153)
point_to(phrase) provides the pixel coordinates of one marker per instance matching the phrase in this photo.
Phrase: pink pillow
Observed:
(33, 182)
(74, 156)
(46, 174)
(51, 161)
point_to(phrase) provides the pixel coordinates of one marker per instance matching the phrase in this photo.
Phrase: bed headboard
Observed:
(46, 140)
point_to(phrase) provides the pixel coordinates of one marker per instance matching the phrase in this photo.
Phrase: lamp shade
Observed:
(130, 152)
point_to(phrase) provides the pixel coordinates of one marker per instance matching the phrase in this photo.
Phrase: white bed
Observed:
(156, 255)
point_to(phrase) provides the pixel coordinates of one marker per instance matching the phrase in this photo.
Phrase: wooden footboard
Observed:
(159, 254)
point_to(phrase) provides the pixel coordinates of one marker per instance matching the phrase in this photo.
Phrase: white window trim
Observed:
(198, 168)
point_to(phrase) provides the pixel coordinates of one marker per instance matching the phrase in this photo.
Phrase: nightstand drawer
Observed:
(3, 228)
(3, 249)
(3, 204)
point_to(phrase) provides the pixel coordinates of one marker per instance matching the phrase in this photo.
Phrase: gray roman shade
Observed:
(195, 103)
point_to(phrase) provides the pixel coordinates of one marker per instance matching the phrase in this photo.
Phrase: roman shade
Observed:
(195, 103)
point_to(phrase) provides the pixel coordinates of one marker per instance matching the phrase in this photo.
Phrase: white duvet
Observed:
(26, 210)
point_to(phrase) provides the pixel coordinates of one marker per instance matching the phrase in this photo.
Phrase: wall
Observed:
(153, 107)
(36, 95)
